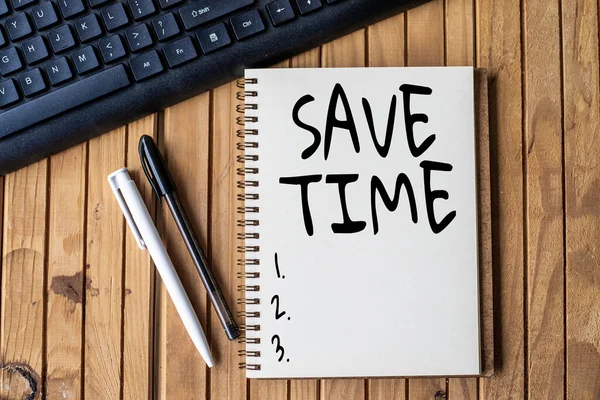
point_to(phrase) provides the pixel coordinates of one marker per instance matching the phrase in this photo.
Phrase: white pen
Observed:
(147, 237)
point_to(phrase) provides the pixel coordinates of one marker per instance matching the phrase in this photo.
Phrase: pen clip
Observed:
(149, 176)
(155, 167)
(114, 184)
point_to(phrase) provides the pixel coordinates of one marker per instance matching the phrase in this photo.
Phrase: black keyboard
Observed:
(73, 69)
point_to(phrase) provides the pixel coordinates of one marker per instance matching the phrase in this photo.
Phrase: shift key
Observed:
(202, 11)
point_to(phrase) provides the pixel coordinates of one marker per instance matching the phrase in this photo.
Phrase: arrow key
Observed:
(307, 6)
(112, 48)
(280, 12)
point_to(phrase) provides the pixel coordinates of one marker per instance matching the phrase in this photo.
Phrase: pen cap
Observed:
(116, 179)
(155, 167)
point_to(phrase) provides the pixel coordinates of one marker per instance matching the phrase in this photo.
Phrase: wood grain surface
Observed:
(498, 36)
(83, 314)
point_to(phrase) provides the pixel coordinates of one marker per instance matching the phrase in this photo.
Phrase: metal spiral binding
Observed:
(248, 221)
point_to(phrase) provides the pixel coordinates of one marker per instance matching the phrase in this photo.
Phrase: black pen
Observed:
(157, 173)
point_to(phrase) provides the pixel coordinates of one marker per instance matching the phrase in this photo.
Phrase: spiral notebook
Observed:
(361, 223)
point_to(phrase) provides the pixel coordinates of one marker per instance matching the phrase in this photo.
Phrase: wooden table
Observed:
(83, 314)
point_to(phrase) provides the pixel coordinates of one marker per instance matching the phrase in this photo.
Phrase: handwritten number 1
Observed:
(278, 314)
(278, 347)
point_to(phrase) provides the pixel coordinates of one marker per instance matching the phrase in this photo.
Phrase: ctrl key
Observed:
(247, 24)
(146, 65)
(8, 93)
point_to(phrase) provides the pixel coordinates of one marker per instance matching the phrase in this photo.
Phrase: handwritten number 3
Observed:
(278, 347)
(278, 314)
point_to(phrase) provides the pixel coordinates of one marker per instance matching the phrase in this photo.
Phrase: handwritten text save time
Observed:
(377, 188)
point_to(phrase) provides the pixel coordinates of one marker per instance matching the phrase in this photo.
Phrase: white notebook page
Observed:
(403, 301)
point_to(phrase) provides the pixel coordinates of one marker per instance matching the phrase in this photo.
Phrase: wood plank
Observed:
(387, 48)
(268, 389)
(427, 388)
(138, 308)
(309, 59)
(228, 381)
(387, 42)
(582, 172)
(387, 389)
(425, 47)
(104, 275)
(185, 145)
(425, 34)
(544, 219)
(343, 389)
(464, 388)
(460, 23)
(22, 306)
(348, 51)
(66, 273)
(305, 389)
(499, 50)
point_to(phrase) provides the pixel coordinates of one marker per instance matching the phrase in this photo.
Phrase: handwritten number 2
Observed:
(278, 314)
(278, 347)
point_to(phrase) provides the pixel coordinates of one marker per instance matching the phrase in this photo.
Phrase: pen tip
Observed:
(210, 362)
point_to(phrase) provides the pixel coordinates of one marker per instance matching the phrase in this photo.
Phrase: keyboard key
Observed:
(307, 6)
(332, 1)
(180, 52)
(70, 8)
(58, 71)
(2, 40)
(44, 15)
(64, 99)
(18, 26)
(140, 9)
(247, 24)
(167, 3)
(3, 7)
(112, 48)
(146, 65)
(114, 17)
(97, 3)
(138, 37)
(203, 11)
(85, 60)
(8, 94)
(213, 38)
(9, 61)
(88, 28)
(34, 49)
(32, 82)
(165, 26)
(61, 39)
(20, 4)
(281, 12)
